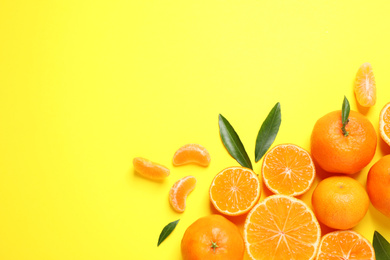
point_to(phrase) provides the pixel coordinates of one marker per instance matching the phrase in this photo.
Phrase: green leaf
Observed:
(344, 115)
(167, 230)
(233, 143)
(381, 247)
(268, 131)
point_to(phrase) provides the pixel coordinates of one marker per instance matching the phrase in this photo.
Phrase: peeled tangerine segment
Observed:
(365, 87)
(191, 153)
(150, 169)
(179, 192)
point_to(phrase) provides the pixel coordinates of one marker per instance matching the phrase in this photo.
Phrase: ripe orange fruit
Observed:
(179, 192)
(384, 123)
(340, 202)
(191, 153)
(346, 245)
(378, 185)
(365, 87)
(235, 190)
(281, 227)
(150, 169)
(212, 237)
(337, 153)
(288, 169)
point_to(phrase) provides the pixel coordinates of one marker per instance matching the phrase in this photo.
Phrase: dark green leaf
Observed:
(233, 143)
(268, 131)
(167, 230)
(344, 115)
(381, 247)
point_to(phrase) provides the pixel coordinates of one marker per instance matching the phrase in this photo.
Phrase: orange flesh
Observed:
(191, 153)
(235, 190)
(179, 192)
(384, 123)
(346, 245)
(365, 87)
(288, 169)
(150, 169)
(281, 227)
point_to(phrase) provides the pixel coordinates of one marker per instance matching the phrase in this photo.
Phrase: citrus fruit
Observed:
(235, 190)
(378, 185)
(179, 192)
(384, 123)
(288, 169)
(191, 153)
(150, 169)
(340, 202)
(345, 245)
(365, 88)
(337, 153)
(281, 227)
(212, 237)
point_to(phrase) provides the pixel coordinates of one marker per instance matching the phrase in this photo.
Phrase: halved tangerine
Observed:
(365, 87)
(346, 245)
(150, 169)
(288, 169)
(235, 190)
(179, 192)
(191, 153)
(281, 227)
(384, 123)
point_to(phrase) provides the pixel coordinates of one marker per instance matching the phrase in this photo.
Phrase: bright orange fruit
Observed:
(288, 169)
(150, 169)
(384, 123)
(191, 153)
(345, 245)
(235, 190)
(281, 227)
(365, 87)
(179, 192)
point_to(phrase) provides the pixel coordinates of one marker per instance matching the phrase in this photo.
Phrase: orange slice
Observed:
(281, 227)
(288, 169)
(191, 153)
(179, 192)
(150, 169)
(346, 245)
(235, 190)
(365, 87)
(384, 123)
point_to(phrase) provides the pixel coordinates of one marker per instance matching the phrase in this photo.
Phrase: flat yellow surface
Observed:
(86, 86)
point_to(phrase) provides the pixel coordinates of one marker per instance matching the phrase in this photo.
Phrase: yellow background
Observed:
(86, 86)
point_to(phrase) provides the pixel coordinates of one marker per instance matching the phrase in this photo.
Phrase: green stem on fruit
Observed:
(345, 132)
(214, 245)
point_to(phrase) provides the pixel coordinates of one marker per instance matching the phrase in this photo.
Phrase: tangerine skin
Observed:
(378, 185)
(197, 240)
(337, 153)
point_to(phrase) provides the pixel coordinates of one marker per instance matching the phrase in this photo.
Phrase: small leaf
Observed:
(233, 143)
(344, 115)
(268, 131)
(381, 247)
(167, 230)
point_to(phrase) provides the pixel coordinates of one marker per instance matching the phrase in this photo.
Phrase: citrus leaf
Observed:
(381, 247)
(167, 230)
(344, 115)
(232, 143)
(268, 131)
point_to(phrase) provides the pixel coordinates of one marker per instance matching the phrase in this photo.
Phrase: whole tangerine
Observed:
(339, 153)
(340, 202)
(212, 237)
(378, 185)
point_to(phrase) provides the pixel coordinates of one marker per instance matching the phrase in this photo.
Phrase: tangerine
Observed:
(191, 153)
(384, 123)
(365, 87)
(179, 192)
(150, 169)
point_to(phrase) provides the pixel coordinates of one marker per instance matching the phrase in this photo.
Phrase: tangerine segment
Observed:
(281, 227)
(191, 153)
(150, 169)
(384, 123)
(345, 245)
(365, 87)
(179, 192)
(235, 190)
(288, 169)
